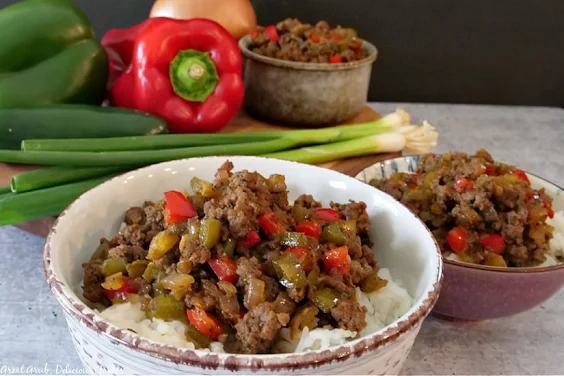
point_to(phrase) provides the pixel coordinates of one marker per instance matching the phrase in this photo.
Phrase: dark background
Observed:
(453, 51)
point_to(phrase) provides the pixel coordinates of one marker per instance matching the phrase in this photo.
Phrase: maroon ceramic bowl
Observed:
(477, 292)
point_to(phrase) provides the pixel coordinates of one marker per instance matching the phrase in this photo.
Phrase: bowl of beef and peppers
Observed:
(501, 230)
(306, 75)
(251, 264)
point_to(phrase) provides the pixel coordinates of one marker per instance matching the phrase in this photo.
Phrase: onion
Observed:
(237, 16)
(255, 293)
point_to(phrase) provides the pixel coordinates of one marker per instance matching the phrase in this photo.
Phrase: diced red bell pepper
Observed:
(225, 269)
(457, 239)
(531, 196)
(490, 170)
(327, 214)
(251, 239)
(494, 243)
(127, 288)
(335, 59)
(357, 46)
(255, 34)
(462, 185)
(336, 36)
(521, 175)
(205, 322)
(303, 255)
(314, 38)
(269, 223)
(413, 186)
(338, 259)
(310, 228)
(178, 208)
(271, 33)
(549, 210)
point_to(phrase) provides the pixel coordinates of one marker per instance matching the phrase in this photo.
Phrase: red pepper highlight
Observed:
(187, 72)
(225, 269)
(251, 239)
(327, 214)
(178, 208)
(205, 322)
(303, 255)
(310, 228)
(462, 185)
(271, 33)
(521, 175)
(457, 239)
(493, 242)
(338, 259)
(335, 59)
(269, 223)
(126, 288)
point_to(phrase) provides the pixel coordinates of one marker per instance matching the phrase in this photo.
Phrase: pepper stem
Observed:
(193, 75)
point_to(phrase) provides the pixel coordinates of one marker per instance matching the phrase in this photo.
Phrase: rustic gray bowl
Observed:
(305, 94)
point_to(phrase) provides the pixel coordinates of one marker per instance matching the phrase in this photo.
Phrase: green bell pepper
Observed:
(48, 54)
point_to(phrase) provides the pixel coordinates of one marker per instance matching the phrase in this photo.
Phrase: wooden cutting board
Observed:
(243, 123)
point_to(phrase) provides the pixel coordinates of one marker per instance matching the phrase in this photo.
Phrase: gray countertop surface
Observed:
(33, 331)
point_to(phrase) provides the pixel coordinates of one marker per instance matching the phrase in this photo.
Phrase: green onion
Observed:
(385, 124)
(23, 207)
(140, 157)
(5, 189)
(412, 139)
(52, 176)
(388, 142)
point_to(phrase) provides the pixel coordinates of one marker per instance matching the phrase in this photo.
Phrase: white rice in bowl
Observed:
(383, 308)
(555, 253)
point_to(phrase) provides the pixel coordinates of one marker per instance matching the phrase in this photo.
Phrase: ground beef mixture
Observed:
(485, 212)
(295, 41)
(237, 263)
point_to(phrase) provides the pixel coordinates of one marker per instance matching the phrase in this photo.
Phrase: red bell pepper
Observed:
(521, 175)
(251, 239)
(493, 242)
(269, 223)
(338, 259)
(310, 228)
(188, 72)
(205, 322)
(225, 269)
(127, 287)
(327, 214)
(457, 239)
(549, 210)
(303, 254)
(335, 59)
(462, 185)
(178, 208)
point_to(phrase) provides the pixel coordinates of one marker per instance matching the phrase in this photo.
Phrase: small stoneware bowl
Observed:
(305, 94)
(477, 292)
(402, 244)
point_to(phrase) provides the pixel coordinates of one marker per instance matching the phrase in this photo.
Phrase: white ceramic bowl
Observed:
(402, 244)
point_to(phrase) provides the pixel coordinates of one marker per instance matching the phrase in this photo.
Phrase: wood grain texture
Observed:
(243, 123)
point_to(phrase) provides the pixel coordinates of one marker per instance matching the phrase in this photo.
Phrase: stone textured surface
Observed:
(33, 331)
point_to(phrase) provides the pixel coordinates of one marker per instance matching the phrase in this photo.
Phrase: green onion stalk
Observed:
(411, 139)
(47, 192)
(23, 207)
(385, 124)
(58, 175)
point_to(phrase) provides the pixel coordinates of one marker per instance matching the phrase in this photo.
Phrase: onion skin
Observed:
(237, 16)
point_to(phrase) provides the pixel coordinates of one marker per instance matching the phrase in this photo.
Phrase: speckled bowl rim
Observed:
(233, 362)
(458, 264)
(298, 65)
